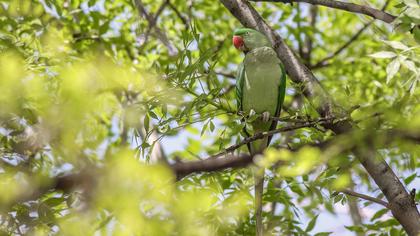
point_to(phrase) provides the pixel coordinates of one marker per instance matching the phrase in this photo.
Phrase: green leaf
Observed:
(347, 90)
(104, 222)
(410, 65)
(311, 224)
(338, 198)
(394, 232)
(387, 223)
(146, 123)
(413, 13)
(413, 86)
(145, 145)
(45, 213)
(410, 178)
(204, 128)
(323, 234)
(383, 54)
(403, 27)
(153, 115)
(411, 3)
(416, 33)
(379, 214)
(392, 69)
(396, 45)
(355, 228)
(296, 189)
(52, 202)
(211, 126)
(399, 5)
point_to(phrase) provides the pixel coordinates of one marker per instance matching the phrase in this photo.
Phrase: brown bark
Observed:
(182, 169)
(350, 7)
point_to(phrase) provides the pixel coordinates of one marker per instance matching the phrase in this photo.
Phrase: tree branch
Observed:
(86, 179)
(182, 169)
(366, 197)
(401, 204)
(152, 24)
(350, 7)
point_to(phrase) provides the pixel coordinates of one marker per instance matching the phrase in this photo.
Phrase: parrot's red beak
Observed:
(238, 42)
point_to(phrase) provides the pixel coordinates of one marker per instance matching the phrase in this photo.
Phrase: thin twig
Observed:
(307, 52)
(227, 90)
(227, 75)
(350, 7)
(366, 197)
(323, 62)
(299, 29)
(152, 24)
(87, 37)
(262, 135)
(184, 20)
(354, 210)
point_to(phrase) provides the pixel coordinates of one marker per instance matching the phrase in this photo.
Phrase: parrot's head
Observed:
(246, 39)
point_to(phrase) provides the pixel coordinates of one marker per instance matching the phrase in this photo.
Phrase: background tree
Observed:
(119, 117)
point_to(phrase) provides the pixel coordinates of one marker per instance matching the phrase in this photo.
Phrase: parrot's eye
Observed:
(246, 33)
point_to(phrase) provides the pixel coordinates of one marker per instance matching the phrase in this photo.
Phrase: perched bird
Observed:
(260, 89)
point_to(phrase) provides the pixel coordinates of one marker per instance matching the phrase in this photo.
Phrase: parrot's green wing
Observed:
(282, 91)
(240, 77)
(280, 100)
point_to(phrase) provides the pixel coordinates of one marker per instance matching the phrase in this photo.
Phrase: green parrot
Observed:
(260, 89)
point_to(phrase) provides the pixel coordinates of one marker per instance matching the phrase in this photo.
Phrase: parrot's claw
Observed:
(266, 116)
(252, 112)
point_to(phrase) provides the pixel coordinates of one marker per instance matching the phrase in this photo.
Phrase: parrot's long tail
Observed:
(256, 148)
(259, 187)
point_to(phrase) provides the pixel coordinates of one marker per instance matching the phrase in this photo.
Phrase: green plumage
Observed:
(261, 87)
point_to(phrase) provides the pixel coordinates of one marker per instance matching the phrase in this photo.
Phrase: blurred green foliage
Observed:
(92, 85)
